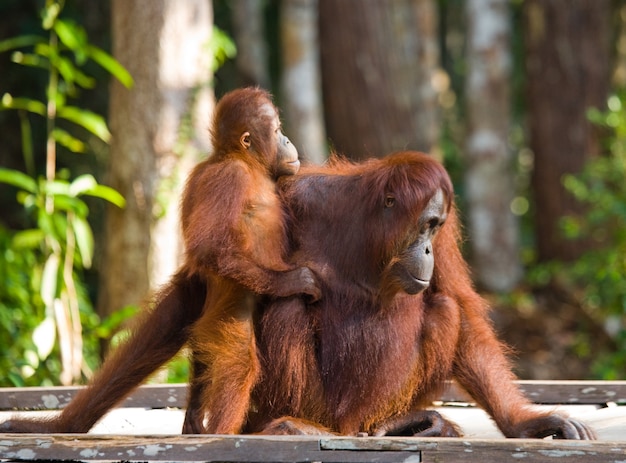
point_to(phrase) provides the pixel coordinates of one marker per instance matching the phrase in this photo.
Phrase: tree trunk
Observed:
(379, 72)
(619, 71)
(489, 169)
(249, 32)
(161, 43)
(301, 81)
(567, 70)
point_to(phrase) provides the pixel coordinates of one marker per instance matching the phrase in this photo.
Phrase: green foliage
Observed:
(43, 293)
(220, 48)
(31, 353)
(177, 370)
(20, 310)
(601, 272)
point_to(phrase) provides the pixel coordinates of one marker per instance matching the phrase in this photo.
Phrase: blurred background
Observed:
(105, 108)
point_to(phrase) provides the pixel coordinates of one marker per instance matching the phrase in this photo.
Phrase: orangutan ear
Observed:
(245, 140)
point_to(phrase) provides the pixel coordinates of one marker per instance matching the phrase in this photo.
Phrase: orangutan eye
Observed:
(432, 226)
(390, 201)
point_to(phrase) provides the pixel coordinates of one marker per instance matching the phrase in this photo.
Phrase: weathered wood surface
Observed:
(147, 428)
(175, 395)
(300, 449)
(558, 392)
(55, 398)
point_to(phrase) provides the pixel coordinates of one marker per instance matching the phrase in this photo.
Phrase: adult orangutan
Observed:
(235, 239)
(398, 315)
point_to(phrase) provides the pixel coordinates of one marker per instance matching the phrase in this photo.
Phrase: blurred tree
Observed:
(489, 164)
(159, 127)
(619, 73)
(249, 34)
(380, 75)
(301, 81)
(567, 46)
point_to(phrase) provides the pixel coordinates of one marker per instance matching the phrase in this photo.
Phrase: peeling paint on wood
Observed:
(302, 448)
(168, 395)
(115, 447)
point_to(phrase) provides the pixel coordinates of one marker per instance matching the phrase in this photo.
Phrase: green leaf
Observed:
(18, 179)
(29, 239)
(70, 204)
(33, 106)
(27, 199)
(73, 74)
(67, 70)
(27, 143)
(28, 59)
(66, 34)
(110, 64)
(66, 67)
(83, 79)
(221, 48)
(55, 187)
(60, 99)
(71, 143)
(44, 222)
(91, 121)
(82, 184)
(32, 359)
(84, 240)
(71, 35)
(87, 185)
(19, 42)
(49, 280)
(109, 194)
(50, 14)
(45, 50)
(15, 379)
(60, 226)
(44, 337)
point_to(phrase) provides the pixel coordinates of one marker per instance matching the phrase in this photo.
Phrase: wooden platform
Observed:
(147, 428)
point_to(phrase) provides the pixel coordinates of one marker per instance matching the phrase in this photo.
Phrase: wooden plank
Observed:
(182, 448)
(301, 449)
(557, 392)
(483, 450)
(575, 392)
(175, 395)
(35, 398)
(55, 398)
